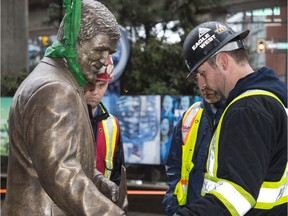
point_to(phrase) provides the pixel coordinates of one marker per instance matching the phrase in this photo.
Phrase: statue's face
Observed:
(93, 54)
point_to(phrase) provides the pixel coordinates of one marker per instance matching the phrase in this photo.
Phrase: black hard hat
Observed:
(206, 39)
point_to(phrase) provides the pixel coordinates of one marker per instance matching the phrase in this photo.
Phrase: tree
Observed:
(14, 36)
(14, 39)
(156, 66)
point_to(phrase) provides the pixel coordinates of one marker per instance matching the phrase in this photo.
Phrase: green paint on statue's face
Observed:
(93, 54)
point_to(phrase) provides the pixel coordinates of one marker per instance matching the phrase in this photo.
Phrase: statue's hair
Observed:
(95, 19)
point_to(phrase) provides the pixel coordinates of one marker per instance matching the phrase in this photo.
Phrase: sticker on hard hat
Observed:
(220, 28)
(203, 31)
(202, 42)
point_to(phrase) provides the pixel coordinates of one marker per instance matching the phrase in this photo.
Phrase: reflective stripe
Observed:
(273, 192)
(188, 120)
(211, 159)
(269, 195)
(110, 129)
(235, 198)
(190, 125)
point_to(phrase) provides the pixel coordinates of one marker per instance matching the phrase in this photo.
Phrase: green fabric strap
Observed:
(68, 50)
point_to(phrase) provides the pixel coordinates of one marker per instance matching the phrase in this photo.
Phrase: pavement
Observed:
(143, 214)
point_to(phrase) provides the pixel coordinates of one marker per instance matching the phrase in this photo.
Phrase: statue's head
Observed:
(98, 37)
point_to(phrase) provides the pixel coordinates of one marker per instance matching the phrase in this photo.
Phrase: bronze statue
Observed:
(51, 168)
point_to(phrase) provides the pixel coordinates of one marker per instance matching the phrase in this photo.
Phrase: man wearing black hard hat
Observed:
(246, 169)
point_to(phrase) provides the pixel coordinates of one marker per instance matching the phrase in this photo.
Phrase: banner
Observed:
(146, 124)
(5, 107)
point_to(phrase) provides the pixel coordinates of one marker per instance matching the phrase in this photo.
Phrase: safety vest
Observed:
(110, 129)
(237, 200)
(190, 125)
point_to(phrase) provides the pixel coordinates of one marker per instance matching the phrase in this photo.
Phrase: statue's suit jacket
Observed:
(52, 154)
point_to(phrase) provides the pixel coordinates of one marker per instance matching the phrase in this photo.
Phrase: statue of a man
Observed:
(51, 168)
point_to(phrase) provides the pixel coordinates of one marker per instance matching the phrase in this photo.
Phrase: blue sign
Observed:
(120, 58)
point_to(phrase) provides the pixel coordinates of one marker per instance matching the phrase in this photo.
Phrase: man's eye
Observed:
(194, 76)
(200, 74)
(100, 86)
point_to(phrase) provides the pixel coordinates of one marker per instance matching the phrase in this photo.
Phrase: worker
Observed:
(246, 169)
(189, 147)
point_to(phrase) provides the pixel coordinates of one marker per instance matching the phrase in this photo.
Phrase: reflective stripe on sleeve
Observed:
(269, 195)
(230, 194)
(273, 193)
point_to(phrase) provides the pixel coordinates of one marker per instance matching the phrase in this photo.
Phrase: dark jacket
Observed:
(118, 158)
(51, 154)
(252, 143)
(208, 123)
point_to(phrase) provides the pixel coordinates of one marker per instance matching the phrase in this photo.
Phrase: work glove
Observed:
(106, 187)
(122, 201)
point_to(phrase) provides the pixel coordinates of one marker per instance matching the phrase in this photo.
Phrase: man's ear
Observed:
(222, 61)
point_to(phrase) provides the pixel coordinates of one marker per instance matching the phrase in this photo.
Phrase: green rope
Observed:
(68, 50)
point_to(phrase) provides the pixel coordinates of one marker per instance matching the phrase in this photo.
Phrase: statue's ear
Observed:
(79, 42)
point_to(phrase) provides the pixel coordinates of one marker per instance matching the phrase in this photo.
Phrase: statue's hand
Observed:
(106, 187)
(122, 202)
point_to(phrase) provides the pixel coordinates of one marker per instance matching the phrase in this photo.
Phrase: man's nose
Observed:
(94, 89)
(201, 82)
